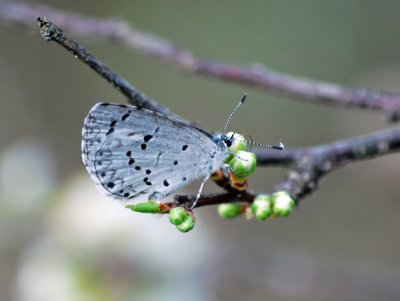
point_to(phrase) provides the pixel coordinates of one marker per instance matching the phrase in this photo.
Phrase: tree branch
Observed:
(311, 164)
(51, 32)
(340, 152)
(259, 77)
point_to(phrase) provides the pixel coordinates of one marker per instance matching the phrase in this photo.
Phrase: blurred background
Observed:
(60, 239)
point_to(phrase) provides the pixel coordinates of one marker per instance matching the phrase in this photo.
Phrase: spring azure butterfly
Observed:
(130, 152)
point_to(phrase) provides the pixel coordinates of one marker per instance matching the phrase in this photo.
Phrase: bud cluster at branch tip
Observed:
(280, 204)
(264, 206)
(241, 162)
(183, 219)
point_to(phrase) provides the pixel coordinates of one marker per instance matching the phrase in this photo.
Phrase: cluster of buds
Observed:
(183, 219)
(241, 162)
(264, 206)
(280, 204)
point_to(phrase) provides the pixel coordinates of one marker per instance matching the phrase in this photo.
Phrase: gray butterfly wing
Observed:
(131, 152)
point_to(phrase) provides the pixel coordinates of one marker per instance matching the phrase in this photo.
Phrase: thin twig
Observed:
(51, 32)
(215, 199)
(257, 76)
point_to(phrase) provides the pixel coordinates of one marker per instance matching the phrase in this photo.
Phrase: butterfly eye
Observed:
(228, 142)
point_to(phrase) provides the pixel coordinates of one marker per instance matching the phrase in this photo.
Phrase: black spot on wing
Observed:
(110, 185)
(147, 138)
(110, 131)
(125, 116)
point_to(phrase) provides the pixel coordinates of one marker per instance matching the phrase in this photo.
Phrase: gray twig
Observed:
(51, 32)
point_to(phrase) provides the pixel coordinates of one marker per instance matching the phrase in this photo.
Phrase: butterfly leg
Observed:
(199, 192)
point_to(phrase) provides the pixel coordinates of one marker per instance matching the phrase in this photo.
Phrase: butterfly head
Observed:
(227, 140)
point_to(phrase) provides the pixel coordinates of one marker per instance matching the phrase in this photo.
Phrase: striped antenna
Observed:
(279, 146)
(234, 110)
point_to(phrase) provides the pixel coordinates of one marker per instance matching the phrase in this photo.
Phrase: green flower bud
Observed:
(239, 144)
(177, 215)
(187, 224)
(149, 207)
(261, 206)
(229, 210)
(243, 164)
(282, 203)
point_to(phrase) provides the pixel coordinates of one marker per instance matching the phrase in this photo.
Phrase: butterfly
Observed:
(130, 152)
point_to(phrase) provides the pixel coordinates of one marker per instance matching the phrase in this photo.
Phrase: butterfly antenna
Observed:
(234, 110)
(279, 146)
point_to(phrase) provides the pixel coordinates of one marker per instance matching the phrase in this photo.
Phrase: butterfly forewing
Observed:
(131, 152)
